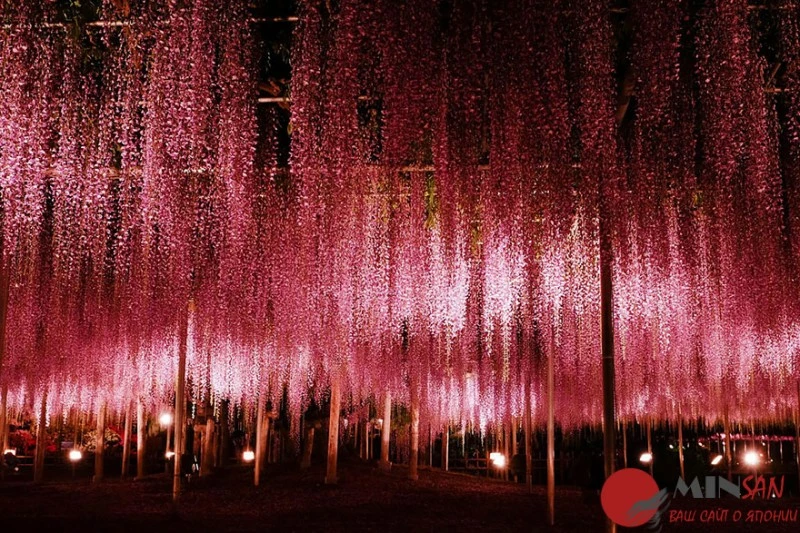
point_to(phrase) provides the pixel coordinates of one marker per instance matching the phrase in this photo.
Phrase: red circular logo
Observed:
(625, 495)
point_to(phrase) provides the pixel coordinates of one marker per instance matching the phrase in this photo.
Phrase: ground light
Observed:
(249, 456)
(751, 459)
(165, 419)
(716, 460)
(169, 455)
(74, 456)
(646, 457)
(498, 459)
(11, 451)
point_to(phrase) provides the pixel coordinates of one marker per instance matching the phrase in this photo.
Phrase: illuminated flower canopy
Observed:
(437, 227)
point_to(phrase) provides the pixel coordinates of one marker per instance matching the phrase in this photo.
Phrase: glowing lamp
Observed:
(249, 456)
(751, 459)
(11, 451)
(169, 455)
(498, 459)
(716, 460)
(646, 458)
(165, 419)
(75, 455)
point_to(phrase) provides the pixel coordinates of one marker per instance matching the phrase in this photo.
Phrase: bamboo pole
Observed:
(38, 465)
(413, 462)
(100, 445)
(140, 440)
(333, 430)
(551, 442)
(180, 400)
(126, 442)
(386, 431)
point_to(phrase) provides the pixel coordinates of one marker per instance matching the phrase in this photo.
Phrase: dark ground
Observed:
(289, 500)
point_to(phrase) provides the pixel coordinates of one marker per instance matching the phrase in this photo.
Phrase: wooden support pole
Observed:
(41, 444)
(141, 439)
(413, 462)
(386, 431)
(180, 400)
(3, 420)
(446, 447)
(528, 438)
(514, 428)
(680, 444)
(167, 448)
(209, 439)
(728, 450)
(333, 429)
(607, 346)
(100, 445)
(262, 433)
(624, 444)
(224, 434)
(506, 450)
(126, 441)
(797, 434)
(5, 279)
(551, 442)
(308, 447)
(430, 446)
(650, 444)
